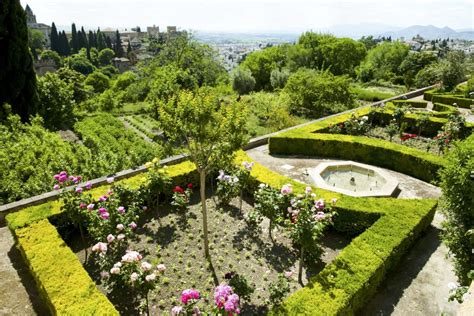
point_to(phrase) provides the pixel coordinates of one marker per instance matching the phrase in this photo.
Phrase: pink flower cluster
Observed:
(131, 256)
(63, 178)
(189, 295)
(320, 204)
(287, 189)
(248, 165)
(226, 299)
(100, 247)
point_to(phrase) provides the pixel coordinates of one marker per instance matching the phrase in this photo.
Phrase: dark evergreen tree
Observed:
(74, 39)
(129, 48)
(17, 76)
(82, 39)
(64, 43)
(92, 40)
(108, 42)
(118, 45)
(55, 39)
(100, 40)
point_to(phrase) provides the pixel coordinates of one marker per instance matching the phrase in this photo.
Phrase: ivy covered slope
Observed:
(310, 140)
(64, 284)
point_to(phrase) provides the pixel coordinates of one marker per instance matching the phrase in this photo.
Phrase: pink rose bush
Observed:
(226, 302)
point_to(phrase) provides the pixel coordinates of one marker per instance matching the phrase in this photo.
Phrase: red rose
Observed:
(190, 185)
(178, 189)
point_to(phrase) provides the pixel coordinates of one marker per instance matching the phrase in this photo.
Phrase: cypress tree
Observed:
(74, 39)
(55, 39)
(100, 40)
(65, 49)
(129, 48)
(82, 39)
(108, 42)
(17, 76)
(118, 45)
(92, 40)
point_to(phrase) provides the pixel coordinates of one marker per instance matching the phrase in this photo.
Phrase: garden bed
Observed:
(175, 239)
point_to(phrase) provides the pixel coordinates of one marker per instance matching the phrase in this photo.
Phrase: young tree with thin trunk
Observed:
(210, 129)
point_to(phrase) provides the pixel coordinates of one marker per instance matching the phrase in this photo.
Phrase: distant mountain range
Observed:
(430, 32)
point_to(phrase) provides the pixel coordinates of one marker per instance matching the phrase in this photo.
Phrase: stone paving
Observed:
(18, 294)
(419, 284)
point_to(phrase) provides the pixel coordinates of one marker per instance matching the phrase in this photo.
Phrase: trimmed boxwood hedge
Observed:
(62, 281)
(377, 152)
(411, 103)
(446, 98)
(451, 99)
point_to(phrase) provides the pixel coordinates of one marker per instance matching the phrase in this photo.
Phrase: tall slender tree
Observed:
(55, 39)
(92, 39)
(108, 42)
(118, 45)
(17, 76)
(100, 40)
(82, 38)
(65, 48)
(74, 39)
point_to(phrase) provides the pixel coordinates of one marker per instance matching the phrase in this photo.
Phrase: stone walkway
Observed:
(419, 284)
(18, 294)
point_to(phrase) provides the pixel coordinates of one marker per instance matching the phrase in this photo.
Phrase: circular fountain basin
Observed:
(353, 178)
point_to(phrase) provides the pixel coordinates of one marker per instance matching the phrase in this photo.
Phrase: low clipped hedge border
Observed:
(435, 96)
(377, 152)
(411, 103)
(63, 283)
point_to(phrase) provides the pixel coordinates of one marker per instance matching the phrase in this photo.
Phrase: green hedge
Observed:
(62, 281)
(377, 152)
(411, 103)
(450, 99)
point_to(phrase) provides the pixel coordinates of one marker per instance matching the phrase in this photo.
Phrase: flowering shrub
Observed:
(225, 300)
(157, 182)
(356, 126)
(227, 187)
(230, 186)
(279, 289)
(140, 277)
(407, 136)
(240, 285)
(309, 218)
(180, 199)
(392, 129)
(270, 203)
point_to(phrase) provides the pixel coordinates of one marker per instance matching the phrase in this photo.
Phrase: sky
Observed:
(253, 15)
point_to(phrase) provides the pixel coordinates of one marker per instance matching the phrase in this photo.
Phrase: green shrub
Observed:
(371, 94)
(450, 99)
(411, 103)
(377, 152)
(64, 284)
(458, 196)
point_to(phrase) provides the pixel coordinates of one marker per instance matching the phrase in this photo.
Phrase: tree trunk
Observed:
(270, 226)
(240, 202)
(300, 268)
(202, 188)
(83, 242)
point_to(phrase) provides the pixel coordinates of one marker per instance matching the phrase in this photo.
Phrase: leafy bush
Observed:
(315, 93)
(457, 184)
(30, 155)
(116, 147)
(242, 81)
(98, 80)
(56, 101)
(370, 94)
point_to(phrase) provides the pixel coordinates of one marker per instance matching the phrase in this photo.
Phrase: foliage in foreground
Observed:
(457, 183)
